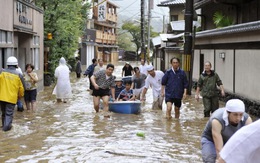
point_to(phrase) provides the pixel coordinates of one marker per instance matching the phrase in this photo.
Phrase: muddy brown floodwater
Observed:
(73, 132)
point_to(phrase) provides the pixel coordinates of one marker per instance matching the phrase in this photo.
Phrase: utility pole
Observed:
(188, 57)
(164, 24)
(149, 31)
(142, 31)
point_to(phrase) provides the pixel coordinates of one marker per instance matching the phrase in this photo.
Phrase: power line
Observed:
(127, 6)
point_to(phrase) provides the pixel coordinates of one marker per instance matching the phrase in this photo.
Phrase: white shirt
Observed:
(155, 82)
(243, 146)
(19, 70)
(143, 69)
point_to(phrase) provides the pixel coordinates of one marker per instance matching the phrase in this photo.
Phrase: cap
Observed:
(235, 105)
(149, 68)
(127, 63)
(118, 79)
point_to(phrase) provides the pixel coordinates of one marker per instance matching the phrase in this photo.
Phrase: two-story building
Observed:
(100, 39)
(233, 50)
(21, 34)
(171, 42)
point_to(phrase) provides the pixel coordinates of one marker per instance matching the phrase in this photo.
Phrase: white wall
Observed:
(247, 73)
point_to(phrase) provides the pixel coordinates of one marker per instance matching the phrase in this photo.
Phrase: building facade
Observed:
(234, 49)
(171, 42)
(21, 34)
(100, 40)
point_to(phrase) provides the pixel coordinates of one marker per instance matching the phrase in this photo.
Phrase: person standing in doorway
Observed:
(154, 80)
(11, 89)
(78, 67)
(102, 82)
(127, 70)
(89, 72)
(207, 84)
(30, 94)
(174, 87)
(100, 66)
(62, 89)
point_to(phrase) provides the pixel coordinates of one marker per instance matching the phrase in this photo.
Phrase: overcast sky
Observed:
(131, 9)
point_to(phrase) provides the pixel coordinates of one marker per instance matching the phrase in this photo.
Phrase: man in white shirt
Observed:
(143, 67)
(154, 79)
(99, 66)
(243, 146)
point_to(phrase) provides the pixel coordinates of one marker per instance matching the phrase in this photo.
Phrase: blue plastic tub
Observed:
(125, 107)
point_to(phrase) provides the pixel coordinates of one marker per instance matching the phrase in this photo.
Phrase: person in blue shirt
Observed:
(174, 87)
(127, 93)
(89, 72)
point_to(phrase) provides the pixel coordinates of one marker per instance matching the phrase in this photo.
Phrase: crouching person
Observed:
(223, 123)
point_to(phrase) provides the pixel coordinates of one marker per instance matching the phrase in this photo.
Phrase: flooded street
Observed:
(73, 132)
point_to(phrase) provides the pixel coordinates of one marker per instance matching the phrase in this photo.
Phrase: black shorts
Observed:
(101, 92)
(30, 95)
(175, 101)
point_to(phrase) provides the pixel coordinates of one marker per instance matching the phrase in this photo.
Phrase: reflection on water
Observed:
(73, 132)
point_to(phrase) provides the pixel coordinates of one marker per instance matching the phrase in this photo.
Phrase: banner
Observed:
(102, 10)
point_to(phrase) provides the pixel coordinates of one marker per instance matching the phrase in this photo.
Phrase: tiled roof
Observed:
(172, 2)
(245, 27)
(201, 3)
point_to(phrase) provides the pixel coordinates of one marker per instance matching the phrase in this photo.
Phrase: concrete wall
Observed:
(24, 21)
(177, 10)
(6, 16)
(247, 73)
(238, 71)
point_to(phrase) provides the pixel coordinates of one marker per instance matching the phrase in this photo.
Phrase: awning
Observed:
(156, 41)
(167, 37)
(23, 30)
(106, 46)
(180, 25)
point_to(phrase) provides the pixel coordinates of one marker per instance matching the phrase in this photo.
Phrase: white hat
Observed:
(127, 63)
(12, 61)
(149, 68)
(235, 105)
(118, 79)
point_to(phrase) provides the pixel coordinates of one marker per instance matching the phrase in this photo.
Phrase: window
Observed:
(9, 37)
(36, 58)
(3, 37)
(36, 40)
(174, 17)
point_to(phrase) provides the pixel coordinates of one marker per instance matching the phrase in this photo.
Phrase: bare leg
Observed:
(28, 105)
(105, 104)
(169, 110)
(96, 100)
(177, 112)
(33, 104)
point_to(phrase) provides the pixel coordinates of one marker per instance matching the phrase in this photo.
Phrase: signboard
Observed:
(102, 10)
(23, 15)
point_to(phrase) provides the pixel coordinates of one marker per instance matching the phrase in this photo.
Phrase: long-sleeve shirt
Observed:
(175, 82)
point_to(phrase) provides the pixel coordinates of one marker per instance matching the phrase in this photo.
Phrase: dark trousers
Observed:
(7, 115)
(90, 85)
(210, 105)
(78, 75)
